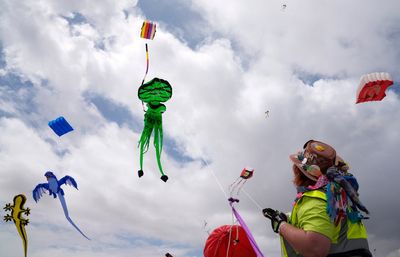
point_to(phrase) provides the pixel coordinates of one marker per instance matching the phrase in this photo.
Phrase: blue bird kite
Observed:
(53, 187)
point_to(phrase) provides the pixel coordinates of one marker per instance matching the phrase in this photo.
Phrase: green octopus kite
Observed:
(153, 93)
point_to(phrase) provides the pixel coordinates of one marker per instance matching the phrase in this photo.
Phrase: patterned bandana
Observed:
(342, 197)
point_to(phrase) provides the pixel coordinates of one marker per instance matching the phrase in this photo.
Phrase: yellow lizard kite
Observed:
(17, 209)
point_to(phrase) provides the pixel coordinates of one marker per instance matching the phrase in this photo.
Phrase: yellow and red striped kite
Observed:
(148, 30)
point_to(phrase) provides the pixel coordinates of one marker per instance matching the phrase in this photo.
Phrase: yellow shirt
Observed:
(312, 216)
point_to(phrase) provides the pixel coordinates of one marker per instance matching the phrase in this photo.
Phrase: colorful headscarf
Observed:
(342, 198)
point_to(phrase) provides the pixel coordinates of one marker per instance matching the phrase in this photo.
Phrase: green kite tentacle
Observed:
(153, 93)
(152, 122)
(144, 140)
(158, 146)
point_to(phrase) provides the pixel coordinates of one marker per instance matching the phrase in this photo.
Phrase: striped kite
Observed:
(148, 32)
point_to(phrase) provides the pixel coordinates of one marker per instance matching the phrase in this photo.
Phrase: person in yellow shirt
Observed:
(326, 219)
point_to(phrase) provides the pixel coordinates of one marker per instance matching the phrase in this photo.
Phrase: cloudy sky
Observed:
(228, 63)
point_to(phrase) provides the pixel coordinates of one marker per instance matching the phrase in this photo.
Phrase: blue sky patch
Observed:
(77, 18)
(172, 149)
(12, 84)
(122, 116)
(179, 17)
(187, 24)
(114, 112)
(310, 78)
(14, 81)
(395, 88)
(2, 57)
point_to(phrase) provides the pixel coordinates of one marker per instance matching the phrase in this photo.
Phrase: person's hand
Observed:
(276, 218)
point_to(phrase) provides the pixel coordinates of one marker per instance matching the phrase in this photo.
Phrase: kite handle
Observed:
(232, 200)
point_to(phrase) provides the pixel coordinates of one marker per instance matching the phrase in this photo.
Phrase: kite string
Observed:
(230, 235)
(222, 189)
(216, 178)
(229, 238)
(220, 185)
(251, 198)
(255, 247)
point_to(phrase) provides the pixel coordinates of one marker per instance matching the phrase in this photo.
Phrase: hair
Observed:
(300, 179)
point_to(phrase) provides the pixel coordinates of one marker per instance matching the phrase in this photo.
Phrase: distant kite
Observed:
(53, 187)
(60, 126)
(246, 173)
(372, 87)
(153, 93)
(17, 209)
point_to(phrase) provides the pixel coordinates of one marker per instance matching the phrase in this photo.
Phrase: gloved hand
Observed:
(276, 218)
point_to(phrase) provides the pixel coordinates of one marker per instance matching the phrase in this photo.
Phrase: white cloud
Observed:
(216, 116)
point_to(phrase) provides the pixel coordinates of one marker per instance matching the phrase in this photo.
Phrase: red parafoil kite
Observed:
(231, 239)
(373, 86)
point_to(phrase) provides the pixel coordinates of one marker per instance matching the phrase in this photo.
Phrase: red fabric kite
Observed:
(246, 173)
(231, 239)
(373, 86)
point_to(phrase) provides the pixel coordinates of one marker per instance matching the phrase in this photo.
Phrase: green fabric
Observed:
(153, 93)
(312, 216)
(152, 122)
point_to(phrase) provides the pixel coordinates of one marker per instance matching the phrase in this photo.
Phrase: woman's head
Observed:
(300, 179)
(314, 160)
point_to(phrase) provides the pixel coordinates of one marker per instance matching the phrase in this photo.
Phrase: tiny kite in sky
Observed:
(53, 187)
(372, 87)
(148, 32)
(17, 209)
(246, 173)
(228, 240)
(153, 93)
(205, 227)
(60, 126)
